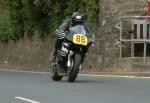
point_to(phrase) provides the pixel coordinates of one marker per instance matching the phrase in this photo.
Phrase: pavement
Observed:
(37, 87)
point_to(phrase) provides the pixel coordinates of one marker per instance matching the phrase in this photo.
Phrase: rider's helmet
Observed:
(77, 18)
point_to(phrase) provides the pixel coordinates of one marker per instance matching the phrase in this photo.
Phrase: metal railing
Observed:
(141, 35)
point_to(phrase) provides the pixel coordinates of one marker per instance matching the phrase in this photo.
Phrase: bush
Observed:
(41, 16)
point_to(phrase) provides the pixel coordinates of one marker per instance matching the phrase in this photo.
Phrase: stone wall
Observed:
(109, 13)
(25, 54)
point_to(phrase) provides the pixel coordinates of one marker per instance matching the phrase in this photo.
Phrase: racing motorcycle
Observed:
(71, 55)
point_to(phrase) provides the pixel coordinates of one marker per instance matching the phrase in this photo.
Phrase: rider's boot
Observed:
(53, 57)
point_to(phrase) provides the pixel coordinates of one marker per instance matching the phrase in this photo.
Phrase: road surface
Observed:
(19, 87)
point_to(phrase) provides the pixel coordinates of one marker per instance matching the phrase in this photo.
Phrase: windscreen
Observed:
(79, 29)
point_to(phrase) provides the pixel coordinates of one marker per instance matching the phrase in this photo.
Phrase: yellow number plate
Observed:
(80, 39)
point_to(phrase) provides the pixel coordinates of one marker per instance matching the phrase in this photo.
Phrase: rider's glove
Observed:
(60, 34)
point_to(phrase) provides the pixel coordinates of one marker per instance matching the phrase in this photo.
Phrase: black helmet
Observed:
(77, 18)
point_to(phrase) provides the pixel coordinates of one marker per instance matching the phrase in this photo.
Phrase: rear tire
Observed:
(74, 69)
(54, 72)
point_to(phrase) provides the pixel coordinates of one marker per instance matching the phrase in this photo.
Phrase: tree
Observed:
(42, 16)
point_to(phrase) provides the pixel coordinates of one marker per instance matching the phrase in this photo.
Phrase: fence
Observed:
(135, 30)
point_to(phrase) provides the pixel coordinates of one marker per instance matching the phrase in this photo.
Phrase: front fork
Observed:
(70, 60)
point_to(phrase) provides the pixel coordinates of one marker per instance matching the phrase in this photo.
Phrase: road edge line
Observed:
(81, 74)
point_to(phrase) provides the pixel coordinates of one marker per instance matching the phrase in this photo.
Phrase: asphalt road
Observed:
(39, 88)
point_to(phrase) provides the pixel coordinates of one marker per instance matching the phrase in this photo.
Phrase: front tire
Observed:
(74, 69)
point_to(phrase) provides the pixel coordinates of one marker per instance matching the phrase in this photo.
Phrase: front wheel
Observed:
(74, 68)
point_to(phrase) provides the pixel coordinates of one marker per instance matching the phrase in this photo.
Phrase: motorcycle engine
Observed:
(64, 51)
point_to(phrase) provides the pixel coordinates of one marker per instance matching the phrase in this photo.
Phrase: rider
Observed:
(77, 18)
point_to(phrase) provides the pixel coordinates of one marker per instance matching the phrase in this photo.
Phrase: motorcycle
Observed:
(71, 55)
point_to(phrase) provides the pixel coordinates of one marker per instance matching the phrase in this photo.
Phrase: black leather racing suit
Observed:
(61, 33)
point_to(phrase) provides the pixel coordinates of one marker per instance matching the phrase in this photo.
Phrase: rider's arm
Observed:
(65, 25)
(61, 31)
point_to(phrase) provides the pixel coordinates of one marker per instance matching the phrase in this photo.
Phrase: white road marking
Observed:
(26, 100)
(19, 71)
(120, 76)
(94, 75)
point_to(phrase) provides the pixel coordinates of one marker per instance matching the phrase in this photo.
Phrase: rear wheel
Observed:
(74, 68)
(54, 73)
